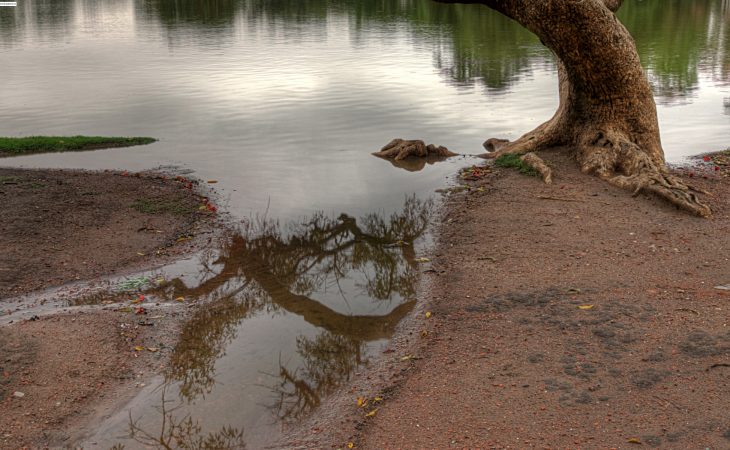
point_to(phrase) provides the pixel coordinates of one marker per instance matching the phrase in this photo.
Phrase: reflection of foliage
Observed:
(263, 268)
(329, 359)
(185, 433)
(323, 250)
(679, 40)
(205, 13)
(202, 341)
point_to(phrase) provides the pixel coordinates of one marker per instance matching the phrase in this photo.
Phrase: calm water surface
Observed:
(282, 102)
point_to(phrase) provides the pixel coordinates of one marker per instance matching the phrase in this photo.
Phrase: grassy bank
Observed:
(46, 144)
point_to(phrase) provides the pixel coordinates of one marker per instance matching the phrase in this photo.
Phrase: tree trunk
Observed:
(607, 112)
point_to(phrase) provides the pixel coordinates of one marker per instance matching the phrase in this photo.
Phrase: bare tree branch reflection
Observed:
(184, 432)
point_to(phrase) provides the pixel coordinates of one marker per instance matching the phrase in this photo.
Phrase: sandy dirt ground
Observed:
(570, 315)
(57, 227)
(61, 226)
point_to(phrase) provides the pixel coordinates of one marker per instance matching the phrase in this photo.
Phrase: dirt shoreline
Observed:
(564, 316)
(60, 226)
(545, 319)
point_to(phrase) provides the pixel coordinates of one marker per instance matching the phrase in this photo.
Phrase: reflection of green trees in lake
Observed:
(679, 40)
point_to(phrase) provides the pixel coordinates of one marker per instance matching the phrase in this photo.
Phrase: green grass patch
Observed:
(9, 179)
(10, 146)
(155, 206)
(510, 161)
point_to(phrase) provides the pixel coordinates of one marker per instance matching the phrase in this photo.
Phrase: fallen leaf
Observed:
(140, 253)
(138, 348)
(372, 413)
(585, 307)
(422, 260)
(180, 299)
(152, 349)
(361, 401)
(213, 182)
(378, 399)
(424, 333)
(634, 440)
(350, 445)
(428, 314)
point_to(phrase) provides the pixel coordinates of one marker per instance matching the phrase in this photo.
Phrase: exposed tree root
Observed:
(666, 187)
(613, 158)
(624, 164)
(399, 149)
(535, 162)
(541, 138)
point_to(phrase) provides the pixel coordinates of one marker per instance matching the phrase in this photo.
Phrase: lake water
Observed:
(282, 102)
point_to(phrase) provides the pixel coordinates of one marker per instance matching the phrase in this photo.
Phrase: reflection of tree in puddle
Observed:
(184, 433)
(329, 359)
(266, 268)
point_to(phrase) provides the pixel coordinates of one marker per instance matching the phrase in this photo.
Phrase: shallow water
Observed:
(281, 102)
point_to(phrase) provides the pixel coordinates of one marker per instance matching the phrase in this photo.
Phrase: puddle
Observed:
(285, 314)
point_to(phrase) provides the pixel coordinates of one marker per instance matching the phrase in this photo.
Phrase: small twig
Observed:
(715, 366)
(687, 310)
(562, 199)
(490, 258)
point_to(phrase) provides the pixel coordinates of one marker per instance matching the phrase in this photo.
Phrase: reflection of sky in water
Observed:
(282, 103)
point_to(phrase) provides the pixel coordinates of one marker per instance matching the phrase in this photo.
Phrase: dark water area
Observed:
(282, 102)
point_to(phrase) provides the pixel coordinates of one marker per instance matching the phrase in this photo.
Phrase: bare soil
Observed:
(59, 371)
(570, 315)
(62, 226)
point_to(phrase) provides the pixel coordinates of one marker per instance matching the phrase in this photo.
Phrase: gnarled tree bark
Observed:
(607, 112)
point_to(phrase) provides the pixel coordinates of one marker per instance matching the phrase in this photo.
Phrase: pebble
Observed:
(18, 394)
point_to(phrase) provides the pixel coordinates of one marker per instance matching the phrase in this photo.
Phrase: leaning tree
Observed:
(607, 114)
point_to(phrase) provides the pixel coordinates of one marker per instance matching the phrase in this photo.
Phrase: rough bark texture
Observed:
(607, 111)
